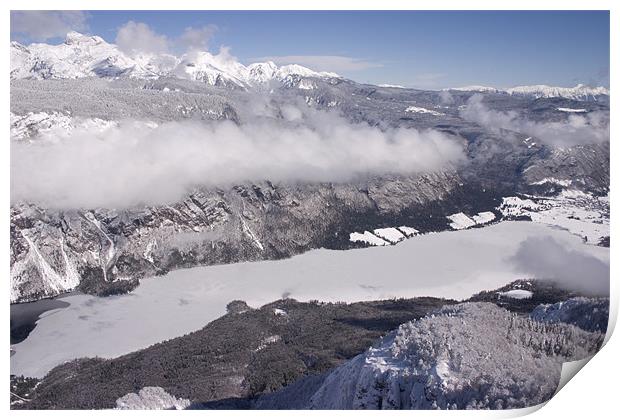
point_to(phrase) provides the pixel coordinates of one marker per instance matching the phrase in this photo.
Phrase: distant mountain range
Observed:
(579, 93)
(91, 56)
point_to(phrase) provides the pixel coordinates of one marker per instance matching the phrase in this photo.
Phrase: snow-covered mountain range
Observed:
(90, 56)
(580, 92)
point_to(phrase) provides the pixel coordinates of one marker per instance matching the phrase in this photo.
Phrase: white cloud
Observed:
(546, 259)
(135, 163)
(197, 38)
(40, 25)
(137, 37)
(591, 128)
(446, 97)
(333, 63)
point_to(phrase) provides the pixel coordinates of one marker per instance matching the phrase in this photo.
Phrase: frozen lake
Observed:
(450, 264)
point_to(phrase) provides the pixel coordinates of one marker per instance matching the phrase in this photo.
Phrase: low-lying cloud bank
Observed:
(137, 163)
(592, 128)
(545, 258)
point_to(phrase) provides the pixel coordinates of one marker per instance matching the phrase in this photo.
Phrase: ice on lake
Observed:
(453, 264)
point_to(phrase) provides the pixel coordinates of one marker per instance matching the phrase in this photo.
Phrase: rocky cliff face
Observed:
(107, 251)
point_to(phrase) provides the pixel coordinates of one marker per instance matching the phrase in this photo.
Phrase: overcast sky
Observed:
(411, 48)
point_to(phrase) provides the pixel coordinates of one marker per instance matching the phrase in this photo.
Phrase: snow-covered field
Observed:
(451, 264)
(384, 236)
(462, 221)
(484, 217)
(579, 213)
(391, 234)
(367, 238)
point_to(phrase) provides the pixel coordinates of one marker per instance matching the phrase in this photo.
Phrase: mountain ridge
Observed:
(91, 56)
(579, 92)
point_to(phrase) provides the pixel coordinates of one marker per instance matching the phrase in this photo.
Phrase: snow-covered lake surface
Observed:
(454, 264)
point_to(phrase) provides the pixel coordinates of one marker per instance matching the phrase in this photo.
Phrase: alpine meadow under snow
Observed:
(191, 232)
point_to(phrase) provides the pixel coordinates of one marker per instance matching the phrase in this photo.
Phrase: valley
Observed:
(450, 265)
(189, 230)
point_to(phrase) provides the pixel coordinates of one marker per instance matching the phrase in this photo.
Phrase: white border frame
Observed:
(593, 394)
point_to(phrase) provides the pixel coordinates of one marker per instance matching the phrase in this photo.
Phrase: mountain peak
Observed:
(74, 38)
(303, 71)
(91, 56)
(262, 72)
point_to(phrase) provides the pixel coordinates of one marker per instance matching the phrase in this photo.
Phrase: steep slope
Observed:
(107, 251)
(590, 314)
(468, 356)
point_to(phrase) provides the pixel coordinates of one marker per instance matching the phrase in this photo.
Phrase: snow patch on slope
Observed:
(573, 110)
(517, 294)
(561, 182)
(420, 110)
(250, 234)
